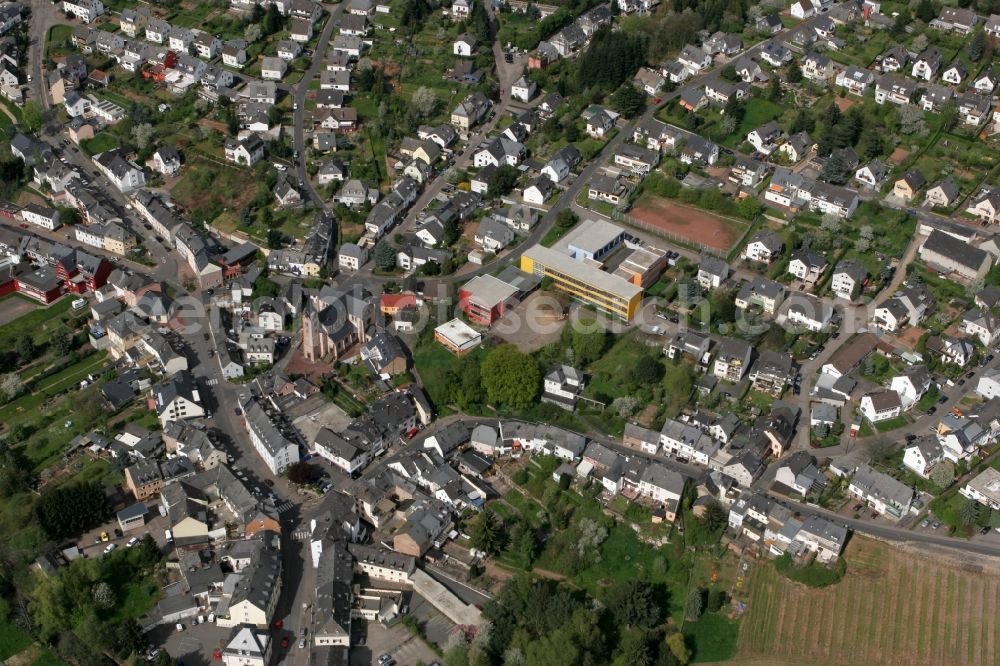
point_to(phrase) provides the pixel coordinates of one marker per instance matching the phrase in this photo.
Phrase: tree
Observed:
(566, 219)
(510, 377)
(836, 170)
(774, 89)
(272, 20)
(385, 256)
(677, 646)
(911, 120)
(694, 604)
(647, 370)
(104, 596)
(31, 116)
(503, 181)
(69, 216)
(925, 12)
(794, 73)
(634, 604)
(302, 473)
(629, 100)
(611, 59)
(943, 473)
(25, 347)
(968, 512)
(625, 405)
(62, 341)
(714, 518)
(142, 134)
(634, 650)
(716, 600)
(749, 208)
(424, 101)
(11, 385)
(252, 32)
(803, 122)
(487, 532)
(588, 341)
(68, 510)
(977, 46)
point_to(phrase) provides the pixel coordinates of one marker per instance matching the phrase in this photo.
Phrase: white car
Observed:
(110, 547)
(280, 167)
(132, 542)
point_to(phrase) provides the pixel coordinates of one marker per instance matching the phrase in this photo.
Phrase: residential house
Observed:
(849, 277)
(951, 350)
(761, 292)
(817, 67)
(732, 360)
(807, 266)
(872, 174)
(881, 492)
(983, 325)
(894, 89)
(942, 194)
(764, 247)
(927, 64)
(766, 138)
(855, 80)
(712, 272)
(906, 188)
(955, 257)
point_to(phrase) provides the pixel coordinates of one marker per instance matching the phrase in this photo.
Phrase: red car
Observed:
(277, 624)
(657, 100)
(284, 641)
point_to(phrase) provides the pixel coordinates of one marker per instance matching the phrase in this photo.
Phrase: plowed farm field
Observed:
(891, 608)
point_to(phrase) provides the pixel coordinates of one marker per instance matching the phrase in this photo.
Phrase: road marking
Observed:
(301, 535)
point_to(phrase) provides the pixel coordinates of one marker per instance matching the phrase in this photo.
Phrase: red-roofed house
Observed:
(391, 304)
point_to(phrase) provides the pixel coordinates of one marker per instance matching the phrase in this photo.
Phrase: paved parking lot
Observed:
(397, 641)
(156, 525)
(193, 646)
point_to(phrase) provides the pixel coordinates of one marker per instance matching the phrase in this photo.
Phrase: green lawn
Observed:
(100, 143)
(38, 323)
(13, 639)
(47, 658)
(72, 375)
(432, 361)
(712, 638)
(892, 424)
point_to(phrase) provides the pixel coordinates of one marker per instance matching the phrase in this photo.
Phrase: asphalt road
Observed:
(300, 91)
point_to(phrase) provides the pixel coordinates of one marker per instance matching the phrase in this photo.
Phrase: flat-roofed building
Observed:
(484, 299)
(458, 337)
(584, 280)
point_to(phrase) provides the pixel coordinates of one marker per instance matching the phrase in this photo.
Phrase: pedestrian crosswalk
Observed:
(214, 381)
(284, 506)
(300, 535)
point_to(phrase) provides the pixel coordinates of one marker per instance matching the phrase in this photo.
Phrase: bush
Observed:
(813, 574)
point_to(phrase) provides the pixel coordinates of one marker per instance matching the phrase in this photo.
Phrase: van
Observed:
(169, 535)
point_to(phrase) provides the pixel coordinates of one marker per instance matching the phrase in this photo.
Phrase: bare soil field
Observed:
(892, 607)
(695, 226)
